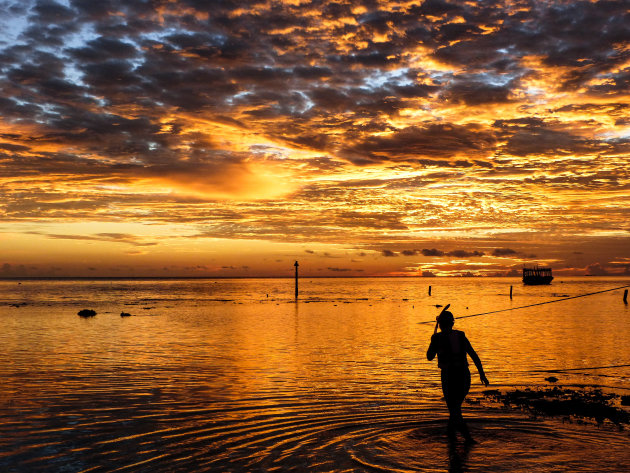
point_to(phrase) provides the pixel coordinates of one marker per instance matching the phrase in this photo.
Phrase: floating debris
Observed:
(87, 313)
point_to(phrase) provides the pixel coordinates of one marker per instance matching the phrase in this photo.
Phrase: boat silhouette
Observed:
(536, 275)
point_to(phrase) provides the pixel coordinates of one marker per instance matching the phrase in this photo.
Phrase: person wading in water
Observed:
(451, 347)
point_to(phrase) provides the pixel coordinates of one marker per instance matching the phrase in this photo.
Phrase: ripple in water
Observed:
(211, 386)
(321, 436)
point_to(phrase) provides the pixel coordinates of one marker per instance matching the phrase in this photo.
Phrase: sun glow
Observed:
(396, 138)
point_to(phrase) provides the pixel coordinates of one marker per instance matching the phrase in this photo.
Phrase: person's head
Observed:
(446, 321)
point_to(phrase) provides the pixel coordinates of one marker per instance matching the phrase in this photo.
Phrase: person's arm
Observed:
(431, 352)
(477, 362)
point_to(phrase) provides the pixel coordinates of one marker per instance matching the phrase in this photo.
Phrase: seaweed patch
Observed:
(581, 404)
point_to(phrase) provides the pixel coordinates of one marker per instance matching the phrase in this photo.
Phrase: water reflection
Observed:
(457, 456)
(191, 383)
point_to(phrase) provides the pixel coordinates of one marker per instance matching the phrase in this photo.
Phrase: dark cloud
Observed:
(386, 120)
(47, 11)
(185, 68)
(103, 49)
(13, 147)
(535, 136)
(473, 92)
(582, 37)
(111, 75)
(501, 252)
(432, 252)
(94, 10)
(465, 254)
(433, 141)
(312, 72)
(49, 24)
(596, 269)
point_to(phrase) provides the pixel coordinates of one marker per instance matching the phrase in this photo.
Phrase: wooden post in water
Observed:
(511, 291)
(625, 296)
(429, 290)
(296, 280)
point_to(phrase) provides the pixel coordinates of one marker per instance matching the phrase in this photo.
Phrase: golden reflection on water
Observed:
(337, 381)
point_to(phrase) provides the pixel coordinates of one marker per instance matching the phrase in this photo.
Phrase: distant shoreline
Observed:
(166, 278)
(171, 278)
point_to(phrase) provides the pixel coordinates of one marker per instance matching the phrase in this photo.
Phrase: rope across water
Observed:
(584, 368)
(532, 305)
(551, 302)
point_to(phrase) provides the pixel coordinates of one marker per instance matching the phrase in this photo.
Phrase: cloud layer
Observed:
(379, 125)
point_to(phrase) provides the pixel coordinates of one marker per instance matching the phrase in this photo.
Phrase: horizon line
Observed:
(35, 278)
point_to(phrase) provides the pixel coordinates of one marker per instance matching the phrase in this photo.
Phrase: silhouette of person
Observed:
(451, 347)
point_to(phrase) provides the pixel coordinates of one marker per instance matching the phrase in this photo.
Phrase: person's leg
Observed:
(464, 387)
(447, 388)
(455, 386)
(454, 417)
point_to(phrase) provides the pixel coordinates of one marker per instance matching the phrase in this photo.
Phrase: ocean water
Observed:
(232, 375)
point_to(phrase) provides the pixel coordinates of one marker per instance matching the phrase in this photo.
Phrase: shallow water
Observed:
(232, 375)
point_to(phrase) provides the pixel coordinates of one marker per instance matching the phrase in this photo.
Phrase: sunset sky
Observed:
(231, 138)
